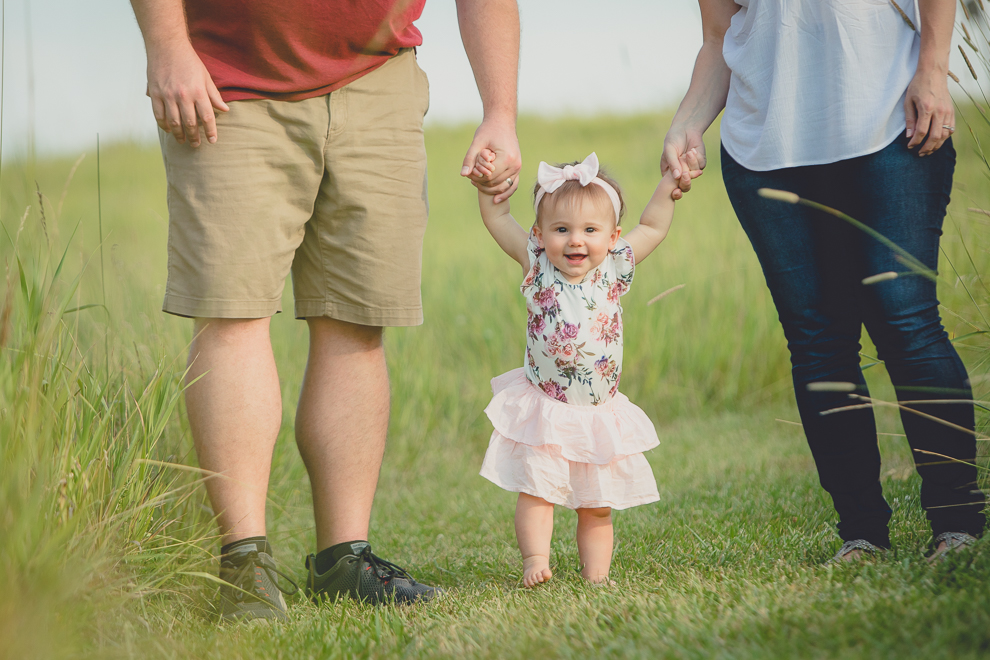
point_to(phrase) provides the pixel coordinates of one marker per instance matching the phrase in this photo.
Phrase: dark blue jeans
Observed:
(814, 265)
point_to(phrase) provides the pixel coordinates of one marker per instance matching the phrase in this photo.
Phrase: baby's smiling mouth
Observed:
(575, 258)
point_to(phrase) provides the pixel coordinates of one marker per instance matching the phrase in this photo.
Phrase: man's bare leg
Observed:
(235, 411)
(341, 425)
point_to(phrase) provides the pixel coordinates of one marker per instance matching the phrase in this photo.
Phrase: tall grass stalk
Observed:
(89, 522)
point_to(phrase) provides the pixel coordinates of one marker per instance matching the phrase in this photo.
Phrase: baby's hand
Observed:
(669, 183)
(483, 165)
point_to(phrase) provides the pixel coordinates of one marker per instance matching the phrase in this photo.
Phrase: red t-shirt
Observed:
(297, 49)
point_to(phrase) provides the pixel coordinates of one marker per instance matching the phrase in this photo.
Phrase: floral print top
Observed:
(574, 331)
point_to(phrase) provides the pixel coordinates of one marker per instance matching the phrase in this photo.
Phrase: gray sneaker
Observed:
(864, 548)
(954, 542)
(252, 592)
(367, 577)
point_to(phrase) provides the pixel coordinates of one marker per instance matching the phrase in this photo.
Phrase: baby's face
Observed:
(577, 238)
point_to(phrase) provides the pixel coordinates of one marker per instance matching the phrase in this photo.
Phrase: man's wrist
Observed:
(502, 117)
(168, 46)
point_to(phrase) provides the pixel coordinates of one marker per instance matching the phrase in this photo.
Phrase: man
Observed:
(316, 162)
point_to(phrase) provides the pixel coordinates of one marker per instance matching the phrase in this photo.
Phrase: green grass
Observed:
(99, 540)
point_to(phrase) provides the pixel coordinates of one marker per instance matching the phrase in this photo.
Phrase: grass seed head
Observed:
(972, 71)
(779, 195)
(827, 386)
(880, 277)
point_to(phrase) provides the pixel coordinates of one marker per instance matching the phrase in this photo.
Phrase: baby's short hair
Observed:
(572, 191)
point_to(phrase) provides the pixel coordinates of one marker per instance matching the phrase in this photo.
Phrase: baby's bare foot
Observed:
(536, 570)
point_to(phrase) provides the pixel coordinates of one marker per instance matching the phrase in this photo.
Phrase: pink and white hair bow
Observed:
(550, 178)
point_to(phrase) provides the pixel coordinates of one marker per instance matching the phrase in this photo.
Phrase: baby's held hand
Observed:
(671, 185)
(484, 163)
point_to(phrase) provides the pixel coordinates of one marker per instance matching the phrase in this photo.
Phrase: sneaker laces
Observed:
(856, 544)
(244, 579)
(954, 539)
(384, 569)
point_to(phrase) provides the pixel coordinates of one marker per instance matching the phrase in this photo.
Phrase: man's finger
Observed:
(158, 109)
(470, 158)
(205, 111)
(215, 99)
(190, 122)
(501, 197)
(173, 121)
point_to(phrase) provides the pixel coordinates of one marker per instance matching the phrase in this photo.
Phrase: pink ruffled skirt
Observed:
(575, 456)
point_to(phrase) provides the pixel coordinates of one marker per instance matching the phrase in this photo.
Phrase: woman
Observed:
(846, 103)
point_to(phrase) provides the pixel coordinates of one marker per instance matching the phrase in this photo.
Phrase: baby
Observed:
(564, 434)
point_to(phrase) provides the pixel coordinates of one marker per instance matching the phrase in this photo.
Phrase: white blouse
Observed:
(816, 81)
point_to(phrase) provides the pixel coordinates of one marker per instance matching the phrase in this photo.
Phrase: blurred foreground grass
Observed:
(103, 529)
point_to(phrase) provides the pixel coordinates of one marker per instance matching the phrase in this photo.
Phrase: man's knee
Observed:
(229, 331)
(324, 330)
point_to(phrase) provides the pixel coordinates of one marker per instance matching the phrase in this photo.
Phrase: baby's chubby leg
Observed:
(534, 527)
(594, 539)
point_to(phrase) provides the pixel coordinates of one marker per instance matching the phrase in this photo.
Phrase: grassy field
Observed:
(106, 535)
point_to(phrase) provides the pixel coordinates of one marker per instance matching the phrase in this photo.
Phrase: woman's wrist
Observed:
(933, 64)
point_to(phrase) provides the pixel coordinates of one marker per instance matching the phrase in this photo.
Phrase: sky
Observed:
(577, 57)
(75, 68)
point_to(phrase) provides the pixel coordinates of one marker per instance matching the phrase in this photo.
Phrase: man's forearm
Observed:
(490, 32)
(937, 18)
(162, 23)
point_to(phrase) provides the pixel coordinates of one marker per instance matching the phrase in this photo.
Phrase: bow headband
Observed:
(550, 178)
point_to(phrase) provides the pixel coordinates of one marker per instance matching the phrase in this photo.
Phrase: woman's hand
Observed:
(928, 110)
(683, 153)
(683, 147)
(927, 105)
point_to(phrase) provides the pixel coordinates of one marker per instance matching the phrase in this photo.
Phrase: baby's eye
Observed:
(561, 230)
(591, 230)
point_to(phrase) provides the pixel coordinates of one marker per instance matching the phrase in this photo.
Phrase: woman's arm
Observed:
(683, 147)
(927, 104)
(512, 238)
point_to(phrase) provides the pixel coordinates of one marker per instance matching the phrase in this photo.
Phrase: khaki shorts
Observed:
(333, 187)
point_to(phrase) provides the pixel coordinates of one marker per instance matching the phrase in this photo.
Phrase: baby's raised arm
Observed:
(512, 238)
(655, 221)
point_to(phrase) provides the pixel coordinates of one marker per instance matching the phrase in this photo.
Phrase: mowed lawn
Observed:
(108, 537)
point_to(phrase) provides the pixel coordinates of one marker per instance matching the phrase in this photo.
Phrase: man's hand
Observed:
(183, 95)
(490, 33)
(182, 92)
(501, 177)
